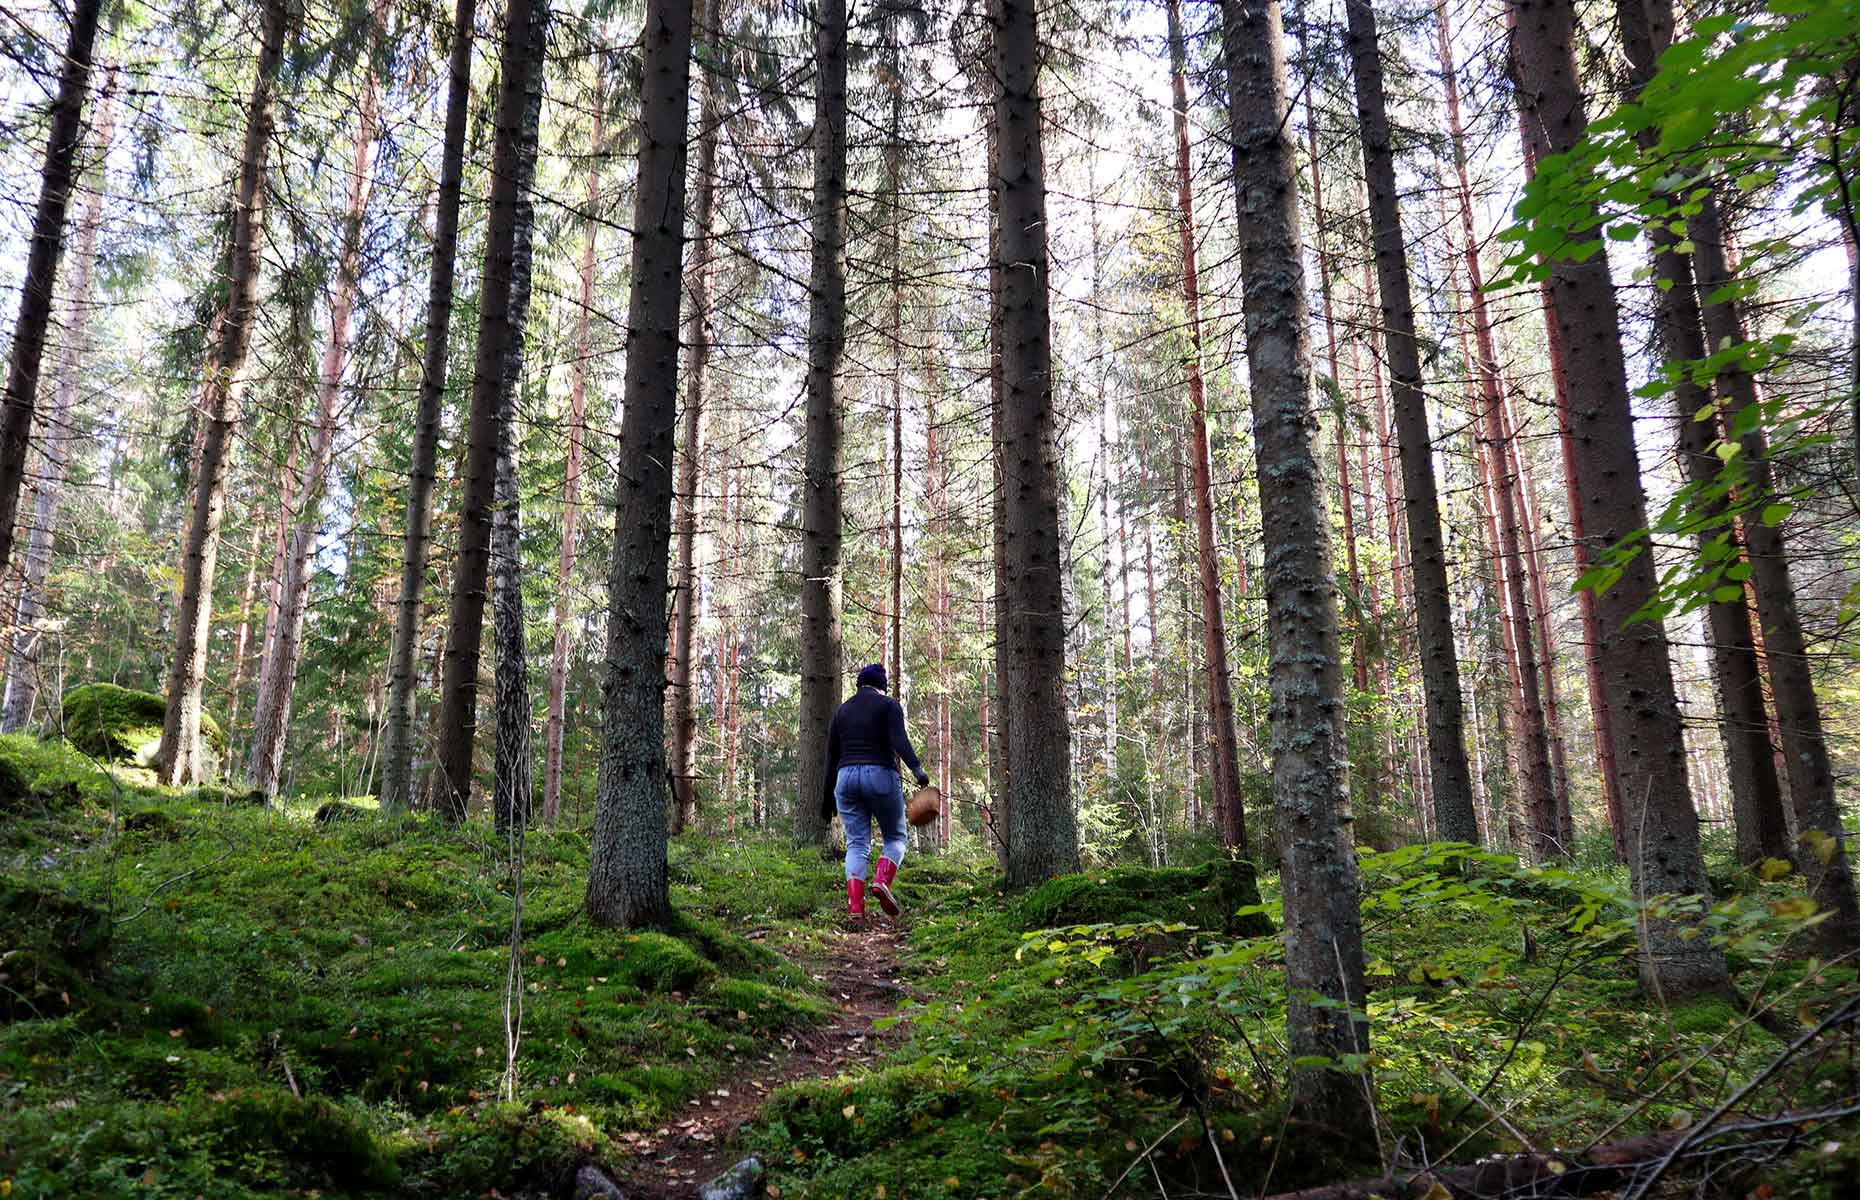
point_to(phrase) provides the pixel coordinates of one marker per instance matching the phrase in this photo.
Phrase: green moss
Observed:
(1208, 896)
(271, 1137)
(658, 962)
(53, 944)
(118, 724)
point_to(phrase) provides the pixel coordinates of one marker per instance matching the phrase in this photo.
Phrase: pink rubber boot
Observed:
(882, 875)
(855, 897)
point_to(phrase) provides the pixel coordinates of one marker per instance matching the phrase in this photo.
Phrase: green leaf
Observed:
(1776, 514)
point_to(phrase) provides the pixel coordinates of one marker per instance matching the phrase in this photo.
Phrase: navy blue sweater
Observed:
(867, 731)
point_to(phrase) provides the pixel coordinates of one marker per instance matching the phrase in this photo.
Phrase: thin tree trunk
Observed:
(1043, 835)
(1524, 484)
(1530, 737)
(894, 236)
(397, 791)
(243, 639)
(458, 692)
(179, 761)
(628, 883)
(571, 477)
(1807, 766)
(1228, 805)
(1454, 814)
(1637, 677)
(821, 511)
(1310, 783)
(681, 715)
(512, 797)
(272, 711)
(47, 246)
(1101, 352)
(22, 676)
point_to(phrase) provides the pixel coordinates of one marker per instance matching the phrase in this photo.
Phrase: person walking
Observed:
(864, 743)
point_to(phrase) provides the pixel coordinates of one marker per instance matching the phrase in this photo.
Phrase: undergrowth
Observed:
(207, 998)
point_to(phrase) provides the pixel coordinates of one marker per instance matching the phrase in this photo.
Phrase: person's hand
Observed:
(923, 779)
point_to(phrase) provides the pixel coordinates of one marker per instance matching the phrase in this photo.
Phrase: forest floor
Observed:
(860, 972)
(203, 998)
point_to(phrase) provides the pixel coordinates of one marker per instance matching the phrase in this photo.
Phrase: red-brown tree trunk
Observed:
(1229, 810)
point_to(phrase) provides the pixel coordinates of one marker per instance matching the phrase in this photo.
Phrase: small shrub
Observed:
(1209, 896)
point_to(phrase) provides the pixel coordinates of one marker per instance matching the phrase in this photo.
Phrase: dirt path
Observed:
(861, 975)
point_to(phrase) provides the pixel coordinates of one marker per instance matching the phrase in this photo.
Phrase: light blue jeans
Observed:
(868, 796)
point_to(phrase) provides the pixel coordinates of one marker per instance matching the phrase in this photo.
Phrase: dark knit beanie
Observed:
(874, 676)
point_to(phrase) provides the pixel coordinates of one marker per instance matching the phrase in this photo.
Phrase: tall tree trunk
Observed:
(1808, 769)
(1001, 814)
(1530, 738)
(571, 476)
(271, 715)
(458, 692)
(1310, 782)
(681, 716)
(1637, 676)
(47, 246)
(1524, 487)
(1743, 723)
(179, 761)
(397, 790)
(1228, 806)
(627, 874)
(894, 237)
(1454, 815)
(1043, 834)
(22, 675)
(826, 346)
(512, 797)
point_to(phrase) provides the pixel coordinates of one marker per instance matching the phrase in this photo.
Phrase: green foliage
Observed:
(361, 962)
(118, 724)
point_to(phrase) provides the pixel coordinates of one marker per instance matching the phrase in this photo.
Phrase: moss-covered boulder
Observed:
(1209, 896)
(119, 724)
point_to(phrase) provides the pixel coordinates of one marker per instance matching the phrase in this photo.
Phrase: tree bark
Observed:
(512, 797)
(179, 761)
(1637, 677)
(397, 790)
(1310, 755)
(1806, 764)
(22, 675)
(627, 873)
(690, 460)
(821, 502)
(1228, 807)
(47, 246)
(1454, 814)
(1743, 724)
(271, 713)
(571, 477)
(1043, 834)
(1001, 814)
(458, 692)
(1530, 735)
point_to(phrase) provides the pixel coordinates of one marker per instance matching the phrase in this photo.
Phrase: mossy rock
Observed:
(53, 945)
(332, 812)
(16, 791)
(1209, 896)
(119, 724)
(275, 1138)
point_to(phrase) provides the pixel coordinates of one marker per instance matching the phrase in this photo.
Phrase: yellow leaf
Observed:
(848, 1111)
(1437, 1192)
(1824, 846)
(1772, 869)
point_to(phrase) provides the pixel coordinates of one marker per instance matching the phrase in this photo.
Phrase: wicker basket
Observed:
(925, 805)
